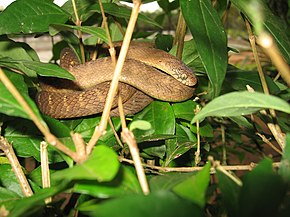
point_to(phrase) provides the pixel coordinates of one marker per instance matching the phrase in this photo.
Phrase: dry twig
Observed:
(16, 167)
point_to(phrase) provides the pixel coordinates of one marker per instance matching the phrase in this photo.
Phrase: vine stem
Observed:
(100, 130)
(16, 167)
(43, 129)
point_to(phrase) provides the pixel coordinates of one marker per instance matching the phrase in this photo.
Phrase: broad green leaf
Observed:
(102, 165)
(239, 79)
(263, 191)
(184, 110)
(167, 5)
(30, 68)
(190, 56)
(194, 188)
(48, 69)
(92, 30)
(25, 138)
(285, 162)
(241, 103)
(242, 121)
(210, 39)
(29, 206)
(6, 195)
(9, 180)
(164, 42)
(9, 105)
(161, 117)
(124, 183)
(273, 24)
(230, 193)
(168, 181)
(86, 127)
(162, 203)
(184, 141)
(30, 16)
(15, 50)
(122, 12)
(87, 8)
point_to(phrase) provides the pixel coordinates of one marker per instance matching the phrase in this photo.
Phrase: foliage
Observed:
(169, 134)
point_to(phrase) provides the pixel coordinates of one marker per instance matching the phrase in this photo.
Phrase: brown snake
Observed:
(142, 79)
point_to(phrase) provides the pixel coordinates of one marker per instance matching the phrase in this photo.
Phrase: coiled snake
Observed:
(147, 73)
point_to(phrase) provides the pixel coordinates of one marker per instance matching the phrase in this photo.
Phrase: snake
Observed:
(148, 73)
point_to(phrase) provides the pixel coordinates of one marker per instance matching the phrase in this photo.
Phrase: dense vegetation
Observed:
(226, 152)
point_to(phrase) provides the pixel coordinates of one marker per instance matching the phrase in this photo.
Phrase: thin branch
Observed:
(252, 39)
(115, 133)
(80, 147)
(105, 22)
(267, 42)
(117, 72)
(269, 143)
(129, 138)
(193, 169)
(274, 128)
(80, 34)
(45, 168)
(16, 167)
(180, 35)
(197, 152)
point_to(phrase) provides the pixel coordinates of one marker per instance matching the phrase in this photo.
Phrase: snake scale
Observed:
(147, 73)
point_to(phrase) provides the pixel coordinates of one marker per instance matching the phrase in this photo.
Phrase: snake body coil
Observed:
(147, 73)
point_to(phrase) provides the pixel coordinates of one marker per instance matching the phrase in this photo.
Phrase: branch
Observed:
(16, 167)
(114, 84)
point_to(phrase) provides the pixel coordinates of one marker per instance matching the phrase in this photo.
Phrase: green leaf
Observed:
(241, 103)
(194, 188)
(140, 124)
(184, 110)
(176, 147)
(30, 16)
(9, 105)
(124, 183)
(122, 12)
(210, 38)
(6, 195)
(239, 79)
(102, 165)
(29, 206)
(285, 162)
(230, 193)
(262, 192)
(190, 55)
(168, 181)
(25, 138)
(86, 127)
(48, 69)
(161, 117)
(273, 24)
(161, 203)
(9, 180)
(30, 68)
(92, 30)
(15, 50)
